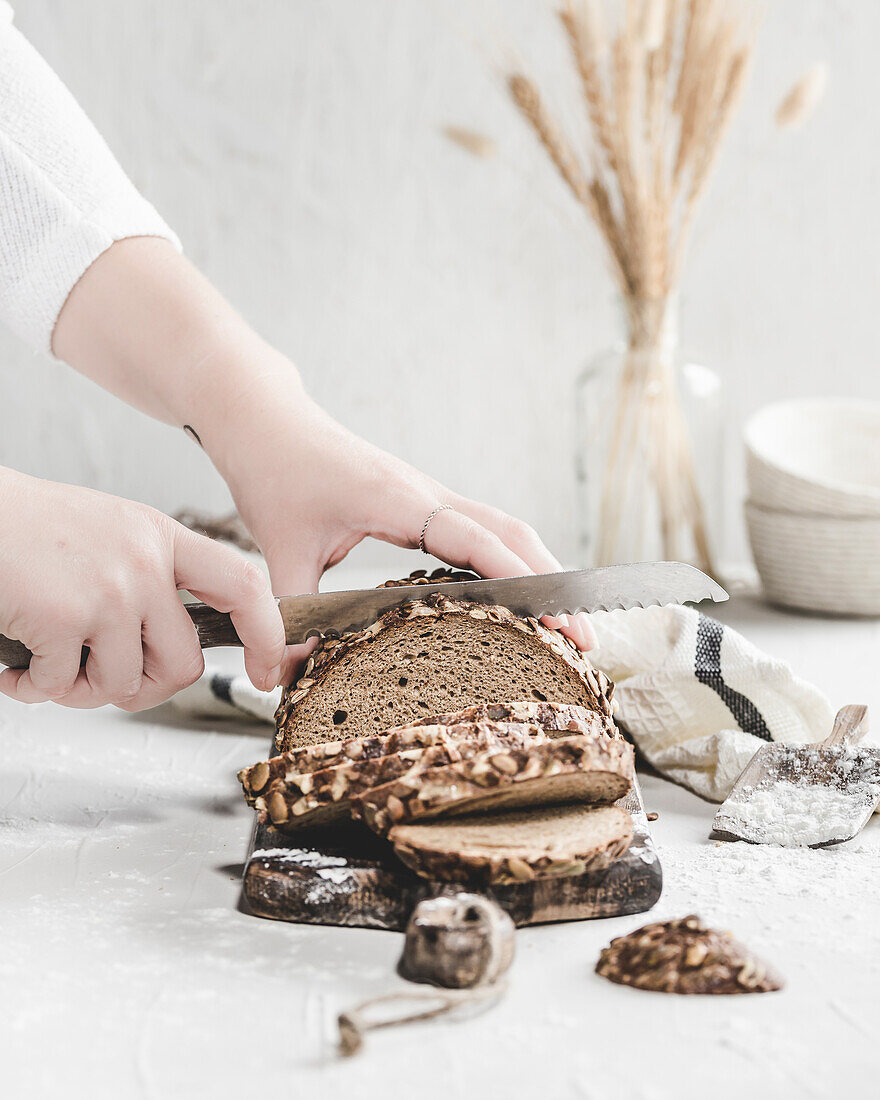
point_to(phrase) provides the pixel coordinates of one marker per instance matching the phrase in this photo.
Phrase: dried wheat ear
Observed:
(660, 86)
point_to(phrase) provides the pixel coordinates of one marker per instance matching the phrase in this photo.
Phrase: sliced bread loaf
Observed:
(429, 657)
(515, 847)
(297, 801)
(570, 769)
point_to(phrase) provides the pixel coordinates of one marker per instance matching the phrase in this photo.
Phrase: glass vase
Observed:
(650, 447)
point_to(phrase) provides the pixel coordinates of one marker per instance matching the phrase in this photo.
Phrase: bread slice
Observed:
(515, 847)
(556, 719)
(326, 799)
(430, 657)
(570, 769)
(311, 758)
(297, 801)
(256, 779)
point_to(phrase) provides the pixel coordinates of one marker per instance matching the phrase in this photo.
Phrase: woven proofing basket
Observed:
(817, 563)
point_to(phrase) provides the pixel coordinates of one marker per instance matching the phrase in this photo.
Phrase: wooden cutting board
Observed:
(349, 876)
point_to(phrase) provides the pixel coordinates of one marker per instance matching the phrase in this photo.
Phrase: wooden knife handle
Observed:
(214, 629)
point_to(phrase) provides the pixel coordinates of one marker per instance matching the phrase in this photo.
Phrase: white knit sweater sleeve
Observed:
(63, 197)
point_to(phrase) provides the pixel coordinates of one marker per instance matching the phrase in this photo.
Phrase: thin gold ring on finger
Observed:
(437, 510)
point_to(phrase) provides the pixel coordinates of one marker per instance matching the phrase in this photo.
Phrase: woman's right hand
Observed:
(79, 567)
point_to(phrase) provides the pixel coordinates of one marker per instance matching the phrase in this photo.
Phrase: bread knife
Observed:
(607, 588)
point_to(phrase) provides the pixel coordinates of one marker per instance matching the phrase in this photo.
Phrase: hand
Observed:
(82, 568)
(309, 490)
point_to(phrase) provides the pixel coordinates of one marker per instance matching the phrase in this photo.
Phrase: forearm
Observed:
(143, 323)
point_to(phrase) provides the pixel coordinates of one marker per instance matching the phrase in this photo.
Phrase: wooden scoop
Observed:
(806, 795)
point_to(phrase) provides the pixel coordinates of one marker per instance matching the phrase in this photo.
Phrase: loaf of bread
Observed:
(430, 657)
(301, 800)
(556, 719)
(571, 769)
(549, 842)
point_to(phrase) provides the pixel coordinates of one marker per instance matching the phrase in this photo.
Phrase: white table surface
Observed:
(127, 970)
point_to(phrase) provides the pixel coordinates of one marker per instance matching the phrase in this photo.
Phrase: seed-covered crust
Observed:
(515, 847)
(299, 800)
(330, 651)
(570, 769)
(289, 807)
(558, 718)
(327, 754)
(683, 956)
(257, 779)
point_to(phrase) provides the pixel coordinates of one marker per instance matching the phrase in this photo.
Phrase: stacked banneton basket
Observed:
(813, 513)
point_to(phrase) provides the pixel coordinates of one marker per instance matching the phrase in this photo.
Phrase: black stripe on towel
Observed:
(220, 687)
(707, 669)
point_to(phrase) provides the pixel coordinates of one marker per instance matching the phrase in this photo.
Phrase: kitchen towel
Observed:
(697, 698)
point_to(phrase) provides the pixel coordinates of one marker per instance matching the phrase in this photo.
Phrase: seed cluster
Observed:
(682, 956)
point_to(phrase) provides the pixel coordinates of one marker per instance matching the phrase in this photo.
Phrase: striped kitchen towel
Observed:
(697, 698)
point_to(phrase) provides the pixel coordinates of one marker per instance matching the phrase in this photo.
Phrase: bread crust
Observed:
(556, 719)
(553, 718)
(327, 754)
(603, 767)
(298, 800)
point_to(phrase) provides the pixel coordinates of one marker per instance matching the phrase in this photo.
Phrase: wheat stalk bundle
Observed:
(659, 93)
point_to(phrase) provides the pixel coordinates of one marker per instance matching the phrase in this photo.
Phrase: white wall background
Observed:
(439, 304)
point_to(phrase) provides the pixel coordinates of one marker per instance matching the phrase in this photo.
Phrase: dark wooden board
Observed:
(348, 876)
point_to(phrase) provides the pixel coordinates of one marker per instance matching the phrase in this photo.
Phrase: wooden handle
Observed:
(214, 629)
(850, 726)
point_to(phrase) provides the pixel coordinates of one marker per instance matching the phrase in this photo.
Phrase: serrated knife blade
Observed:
(606, 588)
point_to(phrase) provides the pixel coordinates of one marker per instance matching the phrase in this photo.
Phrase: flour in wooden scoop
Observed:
(807, 796)
(793, 815)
